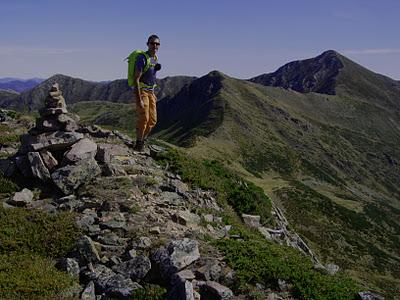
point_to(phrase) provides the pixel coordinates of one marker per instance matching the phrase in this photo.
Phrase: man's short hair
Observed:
(152, 37)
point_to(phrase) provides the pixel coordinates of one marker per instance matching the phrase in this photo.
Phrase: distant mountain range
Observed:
(19, 85)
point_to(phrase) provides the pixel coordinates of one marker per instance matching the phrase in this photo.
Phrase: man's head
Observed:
(153, 42)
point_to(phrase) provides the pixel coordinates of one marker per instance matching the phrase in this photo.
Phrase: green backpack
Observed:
(132, 58)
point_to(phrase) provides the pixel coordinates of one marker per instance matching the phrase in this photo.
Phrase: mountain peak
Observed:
(316, 74)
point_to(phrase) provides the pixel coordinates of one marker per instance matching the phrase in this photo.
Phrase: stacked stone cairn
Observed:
(53, 151)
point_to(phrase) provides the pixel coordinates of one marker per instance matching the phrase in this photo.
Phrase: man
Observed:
(144, 83)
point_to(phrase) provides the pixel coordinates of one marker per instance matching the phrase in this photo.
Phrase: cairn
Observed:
(53, 116)
(53, 151)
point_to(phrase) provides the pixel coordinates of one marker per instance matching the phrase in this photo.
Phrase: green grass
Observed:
(243, 196)
(7, 186)
(261, 261)
(29, 241)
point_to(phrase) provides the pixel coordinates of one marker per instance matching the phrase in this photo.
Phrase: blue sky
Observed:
(89, 39)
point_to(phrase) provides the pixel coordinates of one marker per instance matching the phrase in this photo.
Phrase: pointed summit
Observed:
(316, 74)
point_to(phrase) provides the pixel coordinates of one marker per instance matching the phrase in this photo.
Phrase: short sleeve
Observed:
(140, 62)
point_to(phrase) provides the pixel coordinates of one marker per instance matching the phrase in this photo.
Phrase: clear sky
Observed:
(89, 39)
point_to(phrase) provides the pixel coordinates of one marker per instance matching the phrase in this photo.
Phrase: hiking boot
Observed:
(139, 146)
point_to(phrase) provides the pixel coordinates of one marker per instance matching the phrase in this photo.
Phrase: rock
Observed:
(110, 238)
(69, 178)
(185, 217)
(209, 272)
(251, 220)
(135, 268)
(58, 140)
(155, 151)
(112, 221)
(87, 251)
(214, 291)
(105, 152)
(21, 198)
(67, 122)
(176, 256)
(109, 169)
(44, 112)
(38, 167)
(143, 243)
(208, 218)
(82, 150)
(155, 230)
(47, 124)
(264, 231)
(332, 269)
(181, 289)
(369, 296)
(85, 221)
(89, 292)
(121, 288)
(48, 159)
(69, 265)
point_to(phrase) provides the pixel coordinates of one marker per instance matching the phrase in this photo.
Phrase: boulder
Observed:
(251, 220)
(177, 255)
(21, 198)
(38, 167)
(70, 177)
(135, 268)
(89, 292)
(48, 159)
(87, 251)
(369, 296)
(214, 291)
(69, 265)
(83, 149)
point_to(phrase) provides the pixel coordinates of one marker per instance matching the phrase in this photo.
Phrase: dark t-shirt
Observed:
(149, 77)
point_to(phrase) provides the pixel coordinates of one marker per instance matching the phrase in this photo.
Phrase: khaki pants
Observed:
(147, 116)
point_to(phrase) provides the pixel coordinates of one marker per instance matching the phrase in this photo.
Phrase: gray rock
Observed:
(209, 272)
(69, 265)
(121, 287)
(109, 169)
(89, 292)
(369, 296)
(135, 268)
(332, 269)
(105, 152)
(251, 220)
(185, 217)
(87, 251)
(181, 289)
(81, 150)
(264, 231)
(21, 198)
(208, 218)
(52, 111)
(112, 221)
(85, 221)
(214, 291)
(38, 167)
(176, 256)
(58, 140)
(143, 243)
(48, 159)
(110, 238)
(69, 178)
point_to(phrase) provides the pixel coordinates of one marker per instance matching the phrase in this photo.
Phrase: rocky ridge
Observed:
(141, 223)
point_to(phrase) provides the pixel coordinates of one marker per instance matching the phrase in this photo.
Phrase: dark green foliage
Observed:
(29, 240)
(7, 186)
(30, 276)
(23, 231)
(260, 261)
(150, 292)
(243, 196)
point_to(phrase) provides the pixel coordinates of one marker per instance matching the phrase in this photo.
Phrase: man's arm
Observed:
(136, 79)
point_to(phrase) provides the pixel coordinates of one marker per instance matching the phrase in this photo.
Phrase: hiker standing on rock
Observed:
(142, 69)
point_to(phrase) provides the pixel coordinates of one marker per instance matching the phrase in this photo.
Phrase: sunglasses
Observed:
(154, 43)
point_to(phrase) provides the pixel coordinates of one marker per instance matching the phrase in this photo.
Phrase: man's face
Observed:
(153, 45)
